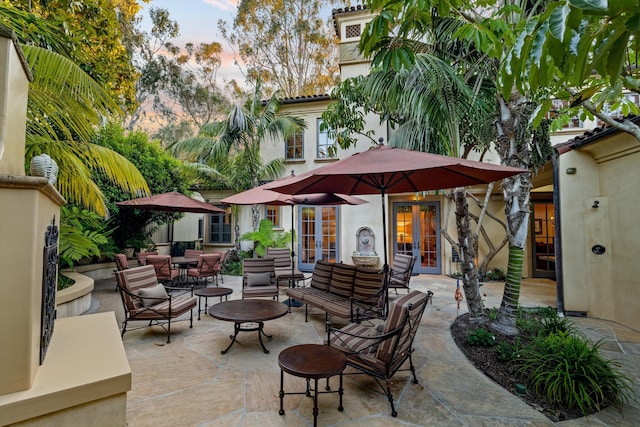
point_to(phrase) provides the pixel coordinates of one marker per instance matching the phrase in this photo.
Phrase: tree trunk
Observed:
(514, 151)
(466, 239)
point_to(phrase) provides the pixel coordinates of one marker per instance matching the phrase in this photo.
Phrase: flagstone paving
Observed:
(189, 383)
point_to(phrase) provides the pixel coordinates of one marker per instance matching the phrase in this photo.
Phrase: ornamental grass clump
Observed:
(566, 370)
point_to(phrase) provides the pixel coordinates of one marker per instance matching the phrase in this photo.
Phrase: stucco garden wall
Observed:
(602, 285)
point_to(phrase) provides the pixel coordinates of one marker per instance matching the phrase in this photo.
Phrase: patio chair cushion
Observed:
(342, 280)
(258, 279)
(321, 275)
(153, 295)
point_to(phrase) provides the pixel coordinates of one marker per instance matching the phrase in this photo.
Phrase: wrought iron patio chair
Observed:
(142, 256)
(205, 268)
(400, 272)
(381, 350)
(165, 273)
(259, 278)
(144, 299)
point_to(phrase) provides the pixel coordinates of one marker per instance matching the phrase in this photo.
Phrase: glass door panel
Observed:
(416, 231)
(544, 257)
(319, 235)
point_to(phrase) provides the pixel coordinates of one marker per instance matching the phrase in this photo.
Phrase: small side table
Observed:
(312, 362)
(210, 292)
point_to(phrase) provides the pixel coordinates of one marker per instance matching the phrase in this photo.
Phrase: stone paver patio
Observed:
(189, 383)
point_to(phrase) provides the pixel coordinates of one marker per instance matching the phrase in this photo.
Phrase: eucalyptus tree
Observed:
(232, 147)
(285, 44)
(391, 39)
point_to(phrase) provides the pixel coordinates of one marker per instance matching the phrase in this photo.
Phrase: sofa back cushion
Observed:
(322, 275)
(342, 280)
(367, 283)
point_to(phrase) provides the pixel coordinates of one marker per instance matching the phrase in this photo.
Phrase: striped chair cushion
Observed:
(179, 305)
(350, 344)
(342, 280)
(281, 256)
(133, 279)
(367, 283)
(322, 275)
(397, 314)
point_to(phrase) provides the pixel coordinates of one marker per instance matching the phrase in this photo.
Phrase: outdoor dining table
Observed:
(183, 263)
(250, 312)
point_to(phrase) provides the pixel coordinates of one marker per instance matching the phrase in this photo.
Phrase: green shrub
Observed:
(492, 313)
(566, 370)
(507, 352)
(481, 337)
(232, 265)
(496, 274)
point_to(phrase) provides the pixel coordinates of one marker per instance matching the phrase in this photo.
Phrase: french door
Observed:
(417, 233)
(544, 257)
(319, 234)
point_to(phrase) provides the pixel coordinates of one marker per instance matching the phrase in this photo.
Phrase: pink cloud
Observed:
(223, 4)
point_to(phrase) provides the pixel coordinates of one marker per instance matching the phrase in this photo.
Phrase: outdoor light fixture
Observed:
(596, 204)
(570, 171)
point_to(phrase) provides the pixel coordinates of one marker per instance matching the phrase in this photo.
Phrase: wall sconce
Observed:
(570, 171)
(596, 204)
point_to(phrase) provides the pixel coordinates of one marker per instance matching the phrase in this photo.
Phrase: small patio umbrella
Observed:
(170, 202)
(261, 196)
(386, 170)
(173, 201)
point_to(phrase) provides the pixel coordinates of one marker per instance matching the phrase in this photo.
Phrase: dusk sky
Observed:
(198, 21)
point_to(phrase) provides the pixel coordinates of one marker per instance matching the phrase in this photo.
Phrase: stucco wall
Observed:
(605, 285)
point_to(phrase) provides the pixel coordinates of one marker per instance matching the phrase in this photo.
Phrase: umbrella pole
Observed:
(292, 280)
(385, 267)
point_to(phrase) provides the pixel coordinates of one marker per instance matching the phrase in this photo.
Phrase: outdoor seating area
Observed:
(450, 391)
(344, 291)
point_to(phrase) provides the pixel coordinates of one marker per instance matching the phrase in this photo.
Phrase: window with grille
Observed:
(273, 215)
(294, 146)
(324, 142)
(574, 121)
(220, 227)
(619, 113)
(352, 31)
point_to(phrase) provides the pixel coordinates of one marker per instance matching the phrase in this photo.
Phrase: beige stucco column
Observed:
(84, 376)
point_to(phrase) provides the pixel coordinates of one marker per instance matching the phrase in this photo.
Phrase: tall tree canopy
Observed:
(286, 44)
(582, 51)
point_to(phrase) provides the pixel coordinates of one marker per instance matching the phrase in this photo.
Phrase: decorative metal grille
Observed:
(352, 31)
(49, 284)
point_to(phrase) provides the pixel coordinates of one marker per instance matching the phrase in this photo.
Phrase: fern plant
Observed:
(266, 237)
(82, 233)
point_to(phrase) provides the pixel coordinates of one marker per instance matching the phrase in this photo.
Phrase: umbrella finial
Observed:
(292, 172)
(381, 141)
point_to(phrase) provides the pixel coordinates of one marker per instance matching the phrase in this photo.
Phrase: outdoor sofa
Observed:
(343, 290)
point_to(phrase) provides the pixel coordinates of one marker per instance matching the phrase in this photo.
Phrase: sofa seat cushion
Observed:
(300, 294)
(260, 291)
(338, 307)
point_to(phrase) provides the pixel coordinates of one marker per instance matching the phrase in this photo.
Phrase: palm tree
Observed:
(393, 37)
(227, 152)
(64, 107)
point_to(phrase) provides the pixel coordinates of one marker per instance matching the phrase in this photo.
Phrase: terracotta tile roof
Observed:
(343, 10)
(592, 136)
(305, 98)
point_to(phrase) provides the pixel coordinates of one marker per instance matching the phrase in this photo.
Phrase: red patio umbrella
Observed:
(386, 170)
(170, 202)
(173, 201)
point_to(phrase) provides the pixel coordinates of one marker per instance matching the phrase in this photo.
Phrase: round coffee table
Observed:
(312, 362)
(255, 311)
(210, 292)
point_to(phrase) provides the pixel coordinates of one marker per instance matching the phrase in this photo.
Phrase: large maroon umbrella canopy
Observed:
(386, 170)
(170, 202)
